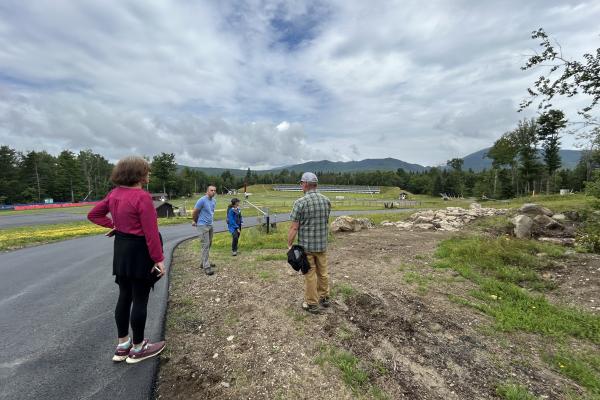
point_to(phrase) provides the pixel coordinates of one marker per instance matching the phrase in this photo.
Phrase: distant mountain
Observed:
(478, 161)
(215, 171)
(370, 164)
(381, 164)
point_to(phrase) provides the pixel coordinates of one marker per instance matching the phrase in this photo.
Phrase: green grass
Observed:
(506, 259)
(343, 333)
(403, 267)
(352, 374)
(343, 291)
(23, 236)
(183, 315)
(498, 224)
(504, 268)
(555, 202)
(297, 316)
(421, 280)
(353, 371)
(380, 217)
(15, 238)
(513, 391)
(254, 239)
(272, 257)
(582, 368)
(267, 275)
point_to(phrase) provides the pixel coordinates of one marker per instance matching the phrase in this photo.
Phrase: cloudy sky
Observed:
(268, 83)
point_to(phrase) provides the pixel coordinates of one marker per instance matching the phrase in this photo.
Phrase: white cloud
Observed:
(422, 82)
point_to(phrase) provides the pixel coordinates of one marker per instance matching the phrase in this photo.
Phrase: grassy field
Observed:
(263, 197)
(19, 237)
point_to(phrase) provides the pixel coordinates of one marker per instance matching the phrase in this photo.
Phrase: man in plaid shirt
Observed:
(310, 221)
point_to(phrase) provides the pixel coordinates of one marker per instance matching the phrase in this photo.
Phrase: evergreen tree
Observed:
(550, 123)
(10, 185)
(69, 180)
(163, 171)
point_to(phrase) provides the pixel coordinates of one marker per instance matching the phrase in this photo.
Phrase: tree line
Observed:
(516, 170)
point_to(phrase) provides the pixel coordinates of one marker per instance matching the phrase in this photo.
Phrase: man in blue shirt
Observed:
(204, 210)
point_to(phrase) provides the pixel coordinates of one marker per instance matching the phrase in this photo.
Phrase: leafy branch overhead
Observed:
(575, 77)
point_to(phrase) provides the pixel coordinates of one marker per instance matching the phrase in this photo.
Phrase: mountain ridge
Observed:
(476, 161)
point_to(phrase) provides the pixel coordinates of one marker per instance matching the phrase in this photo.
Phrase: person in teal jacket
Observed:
(234, 223)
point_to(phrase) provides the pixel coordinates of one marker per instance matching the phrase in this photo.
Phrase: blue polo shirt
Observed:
(207, 210)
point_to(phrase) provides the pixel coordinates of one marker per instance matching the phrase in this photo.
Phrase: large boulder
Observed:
(349, 224)
(535, 209)
(543, 220)
(523, 226)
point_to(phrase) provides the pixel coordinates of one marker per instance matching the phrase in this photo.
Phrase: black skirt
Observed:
(131, 258)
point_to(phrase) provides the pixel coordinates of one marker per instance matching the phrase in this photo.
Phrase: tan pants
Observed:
(316, 281)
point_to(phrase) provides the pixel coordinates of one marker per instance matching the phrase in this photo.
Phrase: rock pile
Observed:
(540, 222)
(349, 224)
(448, 219)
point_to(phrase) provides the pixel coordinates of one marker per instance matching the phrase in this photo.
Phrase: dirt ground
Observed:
(241, 334)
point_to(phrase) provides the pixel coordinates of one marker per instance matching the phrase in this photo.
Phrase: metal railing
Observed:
(266, 213)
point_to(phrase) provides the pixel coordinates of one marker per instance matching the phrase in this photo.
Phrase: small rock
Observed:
(559, 241)
(215, 355)
(230, 338)
(225, 384)
(424, 226)
(559, 217)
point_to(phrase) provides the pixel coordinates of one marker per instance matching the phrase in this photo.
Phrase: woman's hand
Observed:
(160, 268)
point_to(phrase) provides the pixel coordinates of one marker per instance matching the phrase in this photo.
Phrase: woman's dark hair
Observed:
(234, 201)
(130, 171)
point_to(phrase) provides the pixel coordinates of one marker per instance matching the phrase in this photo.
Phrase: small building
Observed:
(159, 196)
(163, 209)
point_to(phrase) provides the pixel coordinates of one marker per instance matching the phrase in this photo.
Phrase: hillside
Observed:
(478, 161)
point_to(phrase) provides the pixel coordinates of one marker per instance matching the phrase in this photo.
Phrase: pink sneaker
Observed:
(121, 353)
(148, 350)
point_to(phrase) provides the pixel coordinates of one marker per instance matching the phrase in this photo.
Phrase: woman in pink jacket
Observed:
(138, 259)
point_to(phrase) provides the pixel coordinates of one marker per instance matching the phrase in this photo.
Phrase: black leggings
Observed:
(235, 237)
(136, 292)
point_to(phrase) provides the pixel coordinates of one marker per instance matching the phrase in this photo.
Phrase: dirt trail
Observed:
(241, 333)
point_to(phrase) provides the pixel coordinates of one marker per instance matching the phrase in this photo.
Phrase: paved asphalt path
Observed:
(57, 330)
(56, 217)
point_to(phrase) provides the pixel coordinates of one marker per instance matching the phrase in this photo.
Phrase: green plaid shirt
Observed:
(312, 212)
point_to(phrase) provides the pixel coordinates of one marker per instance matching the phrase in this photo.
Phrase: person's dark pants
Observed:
(234, 243)
(136, 292)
